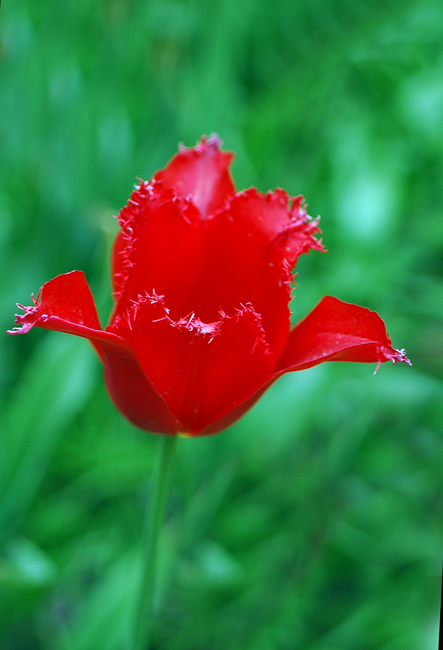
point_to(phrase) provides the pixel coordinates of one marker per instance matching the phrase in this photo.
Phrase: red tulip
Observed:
(201, 323)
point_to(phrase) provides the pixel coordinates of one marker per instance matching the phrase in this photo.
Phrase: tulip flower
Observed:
(202, 282)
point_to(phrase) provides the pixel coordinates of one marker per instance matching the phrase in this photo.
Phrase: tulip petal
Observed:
(201, 172)
(65, 304)
(133, 393)
(162, 231)
(338, 331)
(160, 246)
(200, 369)
(252, 246)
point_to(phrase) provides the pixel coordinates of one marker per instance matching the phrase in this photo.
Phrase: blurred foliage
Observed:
(316, 522)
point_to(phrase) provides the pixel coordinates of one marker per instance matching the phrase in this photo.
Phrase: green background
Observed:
(316, 522)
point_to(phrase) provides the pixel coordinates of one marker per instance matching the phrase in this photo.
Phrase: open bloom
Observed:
(201, 276)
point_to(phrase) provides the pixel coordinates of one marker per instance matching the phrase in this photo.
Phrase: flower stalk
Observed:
(161, 482)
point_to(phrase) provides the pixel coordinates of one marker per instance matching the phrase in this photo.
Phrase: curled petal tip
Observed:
(18, 330)
(24, 322)
(213, 140)
(391, 354)
(400, 355)
(396, 356)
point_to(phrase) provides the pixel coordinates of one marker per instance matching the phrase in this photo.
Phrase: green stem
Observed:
(161, 481)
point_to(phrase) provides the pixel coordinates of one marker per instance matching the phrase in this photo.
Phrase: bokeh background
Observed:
(316, 522)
